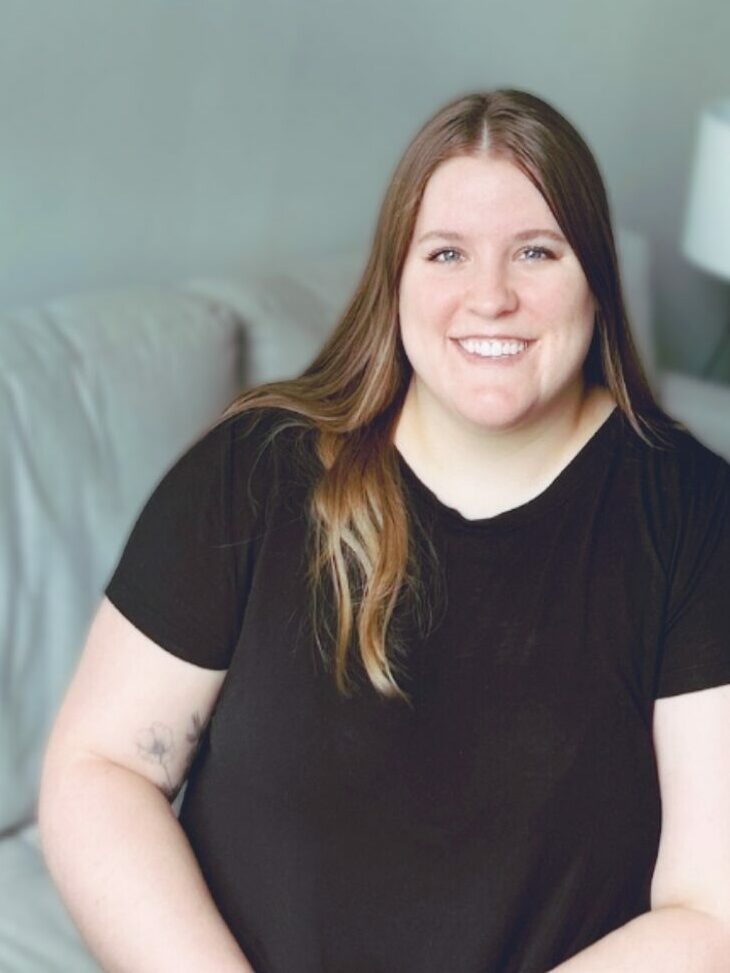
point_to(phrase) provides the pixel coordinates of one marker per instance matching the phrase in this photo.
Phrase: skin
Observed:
(465, 425)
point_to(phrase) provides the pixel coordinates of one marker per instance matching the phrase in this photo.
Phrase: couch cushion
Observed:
(98, 394)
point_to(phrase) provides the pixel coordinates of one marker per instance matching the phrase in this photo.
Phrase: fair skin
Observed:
(471, 270)
(487, 436)
(119, 750)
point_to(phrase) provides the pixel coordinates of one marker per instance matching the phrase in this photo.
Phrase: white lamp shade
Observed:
(706, 240)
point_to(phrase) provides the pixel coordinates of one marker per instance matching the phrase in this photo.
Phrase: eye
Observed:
(542, 254)
(448, 254)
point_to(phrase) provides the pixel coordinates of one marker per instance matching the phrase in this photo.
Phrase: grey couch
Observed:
(99, 393)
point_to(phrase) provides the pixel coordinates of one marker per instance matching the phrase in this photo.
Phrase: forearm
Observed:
(128, 876)
(667, 940)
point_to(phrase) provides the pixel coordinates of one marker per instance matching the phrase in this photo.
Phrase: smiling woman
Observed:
(441, 581)
(497, 335)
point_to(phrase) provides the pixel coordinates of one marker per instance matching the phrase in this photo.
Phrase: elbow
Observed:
(54, 770)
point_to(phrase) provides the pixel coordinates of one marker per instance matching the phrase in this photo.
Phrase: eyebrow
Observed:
(518, 237)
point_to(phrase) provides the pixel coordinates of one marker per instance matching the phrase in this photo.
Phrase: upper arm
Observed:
(132, 703)
(692, 745)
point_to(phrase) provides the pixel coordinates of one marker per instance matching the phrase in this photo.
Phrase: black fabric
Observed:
(511, 816)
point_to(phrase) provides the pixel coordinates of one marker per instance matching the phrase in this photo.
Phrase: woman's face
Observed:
(488, 261)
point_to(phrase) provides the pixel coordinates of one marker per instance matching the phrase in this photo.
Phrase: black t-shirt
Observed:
(511, 816)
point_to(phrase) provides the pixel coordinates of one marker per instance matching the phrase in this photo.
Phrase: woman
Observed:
(417, 605)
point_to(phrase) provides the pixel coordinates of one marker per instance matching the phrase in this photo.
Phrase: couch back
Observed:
(97, 394)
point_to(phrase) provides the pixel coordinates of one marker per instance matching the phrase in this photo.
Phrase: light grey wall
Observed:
(145, 140)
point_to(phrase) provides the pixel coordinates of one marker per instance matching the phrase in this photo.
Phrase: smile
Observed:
(493, 351)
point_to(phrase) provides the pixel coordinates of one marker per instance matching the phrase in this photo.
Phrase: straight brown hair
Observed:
(364, 556)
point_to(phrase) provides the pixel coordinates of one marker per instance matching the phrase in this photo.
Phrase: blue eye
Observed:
(434, 257)
(542, 251)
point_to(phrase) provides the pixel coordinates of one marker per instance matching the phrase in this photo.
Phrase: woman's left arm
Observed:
(688, 927)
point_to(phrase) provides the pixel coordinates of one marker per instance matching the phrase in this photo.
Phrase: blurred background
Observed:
(147, 140)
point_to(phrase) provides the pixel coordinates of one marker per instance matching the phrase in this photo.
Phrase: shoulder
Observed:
(264, 452)
(676, 497)
(235, 461)
(677, 464)
(255, 433)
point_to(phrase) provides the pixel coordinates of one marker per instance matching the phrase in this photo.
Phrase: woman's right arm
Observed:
(118, 752)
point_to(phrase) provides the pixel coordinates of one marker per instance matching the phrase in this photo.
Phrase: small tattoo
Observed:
(194, 735)
(156, 745)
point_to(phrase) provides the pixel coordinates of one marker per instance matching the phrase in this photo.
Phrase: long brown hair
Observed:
(352, 393)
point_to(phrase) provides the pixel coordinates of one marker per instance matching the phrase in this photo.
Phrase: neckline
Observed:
(597, 448)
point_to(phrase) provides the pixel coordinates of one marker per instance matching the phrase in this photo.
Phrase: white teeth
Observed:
(491, 348)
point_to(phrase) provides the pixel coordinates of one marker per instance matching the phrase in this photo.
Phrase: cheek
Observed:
(584, 313)
(570, 306)
(424, 301)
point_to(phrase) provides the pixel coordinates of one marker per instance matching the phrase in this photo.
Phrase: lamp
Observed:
(706, 240)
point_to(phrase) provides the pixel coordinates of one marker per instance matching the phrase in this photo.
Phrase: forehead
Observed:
(481, 193)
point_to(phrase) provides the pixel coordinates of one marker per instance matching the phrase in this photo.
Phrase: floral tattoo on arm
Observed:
(156, 744)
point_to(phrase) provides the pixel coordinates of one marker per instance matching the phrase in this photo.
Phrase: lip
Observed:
(491, 337)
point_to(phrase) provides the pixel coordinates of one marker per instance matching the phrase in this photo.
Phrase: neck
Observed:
(483, 471)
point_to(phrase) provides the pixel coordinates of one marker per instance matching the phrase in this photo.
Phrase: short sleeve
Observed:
(183, 573)
(696, 644)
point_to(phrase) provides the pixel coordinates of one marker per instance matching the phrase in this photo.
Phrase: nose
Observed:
(491, 292)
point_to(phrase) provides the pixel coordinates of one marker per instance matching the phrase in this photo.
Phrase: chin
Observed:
(486, 406)
(495, 418)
